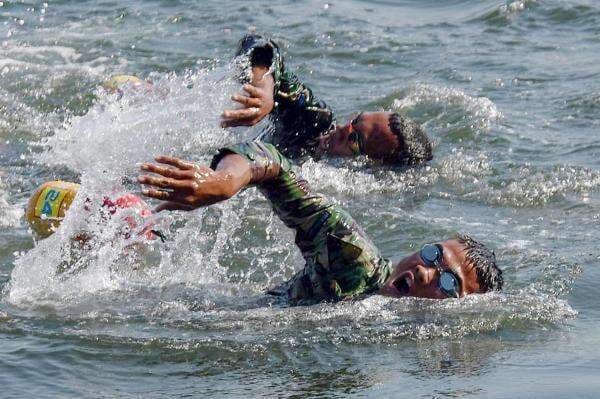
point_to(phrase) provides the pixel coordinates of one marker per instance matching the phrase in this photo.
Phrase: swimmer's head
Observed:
(48, 206)
(51, 201)
(116, 83)
(384, 136)
(463, 266)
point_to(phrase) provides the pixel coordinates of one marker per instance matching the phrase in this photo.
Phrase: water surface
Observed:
(509, 92)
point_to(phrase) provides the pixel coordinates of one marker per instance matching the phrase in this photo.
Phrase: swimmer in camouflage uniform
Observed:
(341, 261)
(304, 125)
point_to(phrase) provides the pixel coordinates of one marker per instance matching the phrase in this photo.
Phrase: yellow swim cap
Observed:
(48, 205)
(115, 83)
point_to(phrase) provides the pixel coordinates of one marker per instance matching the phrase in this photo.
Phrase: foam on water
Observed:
(515, 6)
(184, 282)
(17, 114)
(510, 9)
(10, 215)
(238, 320)
(179, 116)
(478, 112)
(462, 174)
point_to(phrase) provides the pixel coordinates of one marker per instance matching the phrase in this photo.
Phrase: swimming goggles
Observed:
(448, 283)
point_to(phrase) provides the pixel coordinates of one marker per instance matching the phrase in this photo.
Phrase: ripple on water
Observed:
(556, 13)
(502, 14)
(586, 106)
(161, 318)
(450, 107)
(462, 174)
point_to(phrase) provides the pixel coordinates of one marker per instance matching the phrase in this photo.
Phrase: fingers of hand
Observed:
(239, 114)
(172, 206)
(252, 90)
(159, 194)
(164, 182)
(242, 117)
(167, 172)
(178, 163)
(240, 122)
(247, 101)
(234, 123)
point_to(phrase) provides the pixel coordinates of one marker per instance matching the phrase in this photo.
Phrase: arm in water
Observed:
(341, 261)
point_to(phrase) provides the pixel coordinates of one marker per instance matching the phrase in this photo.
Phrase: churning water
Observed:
(507, 90)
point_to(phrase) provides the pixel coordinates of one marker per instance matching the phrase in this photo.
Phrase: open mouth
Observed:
(404, 283)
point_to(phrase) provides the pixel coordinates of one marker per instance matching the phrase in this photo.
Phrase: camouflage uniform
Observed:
(298, 118)
(341, 261)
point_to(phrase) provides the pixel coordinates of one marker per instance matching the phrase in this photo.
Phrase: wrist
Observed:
(233, 173)
(227, 188)
(260, 75)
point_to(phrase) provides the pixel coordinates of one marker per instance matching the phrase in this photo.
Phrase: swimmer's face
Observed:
(411, 276)
(368, 134)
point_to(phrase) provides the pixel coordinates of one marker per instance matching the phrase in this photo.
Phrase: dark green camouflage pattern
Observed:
(298, 117)
(341, 261)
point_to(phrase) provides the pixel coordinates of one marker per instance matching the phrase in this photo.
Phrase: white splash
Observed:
(178, 116)
(480, 112)
(10, 215)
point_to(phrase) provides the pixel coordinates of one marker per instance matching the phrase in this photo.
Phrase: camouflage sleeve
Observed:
(289, 196)
(341, 261)
(298, 116)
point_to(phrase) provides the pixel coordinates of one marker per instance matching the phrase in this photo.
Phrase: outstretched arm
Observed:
(185, 185)
(341, 261)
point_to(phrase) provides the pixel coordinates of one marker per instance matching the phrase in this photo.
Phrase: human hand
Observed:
(257, 102)
(185, 185)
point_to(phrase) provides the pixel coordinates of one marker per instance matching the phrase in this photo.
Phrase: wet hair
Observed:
(414, 147)
(489, 276)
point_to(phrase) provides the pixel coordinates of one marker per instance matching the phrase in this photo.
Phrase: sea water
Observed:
(508, 92)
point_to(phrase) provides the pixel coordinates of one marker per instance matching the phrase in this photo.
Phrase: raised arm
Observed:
(185, 185)
(260, 87)
(299, 117)
(257, 101)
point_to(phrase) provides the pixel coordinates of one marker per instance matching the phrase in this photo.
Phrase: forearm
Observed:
(234, 172)
(262, 78)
